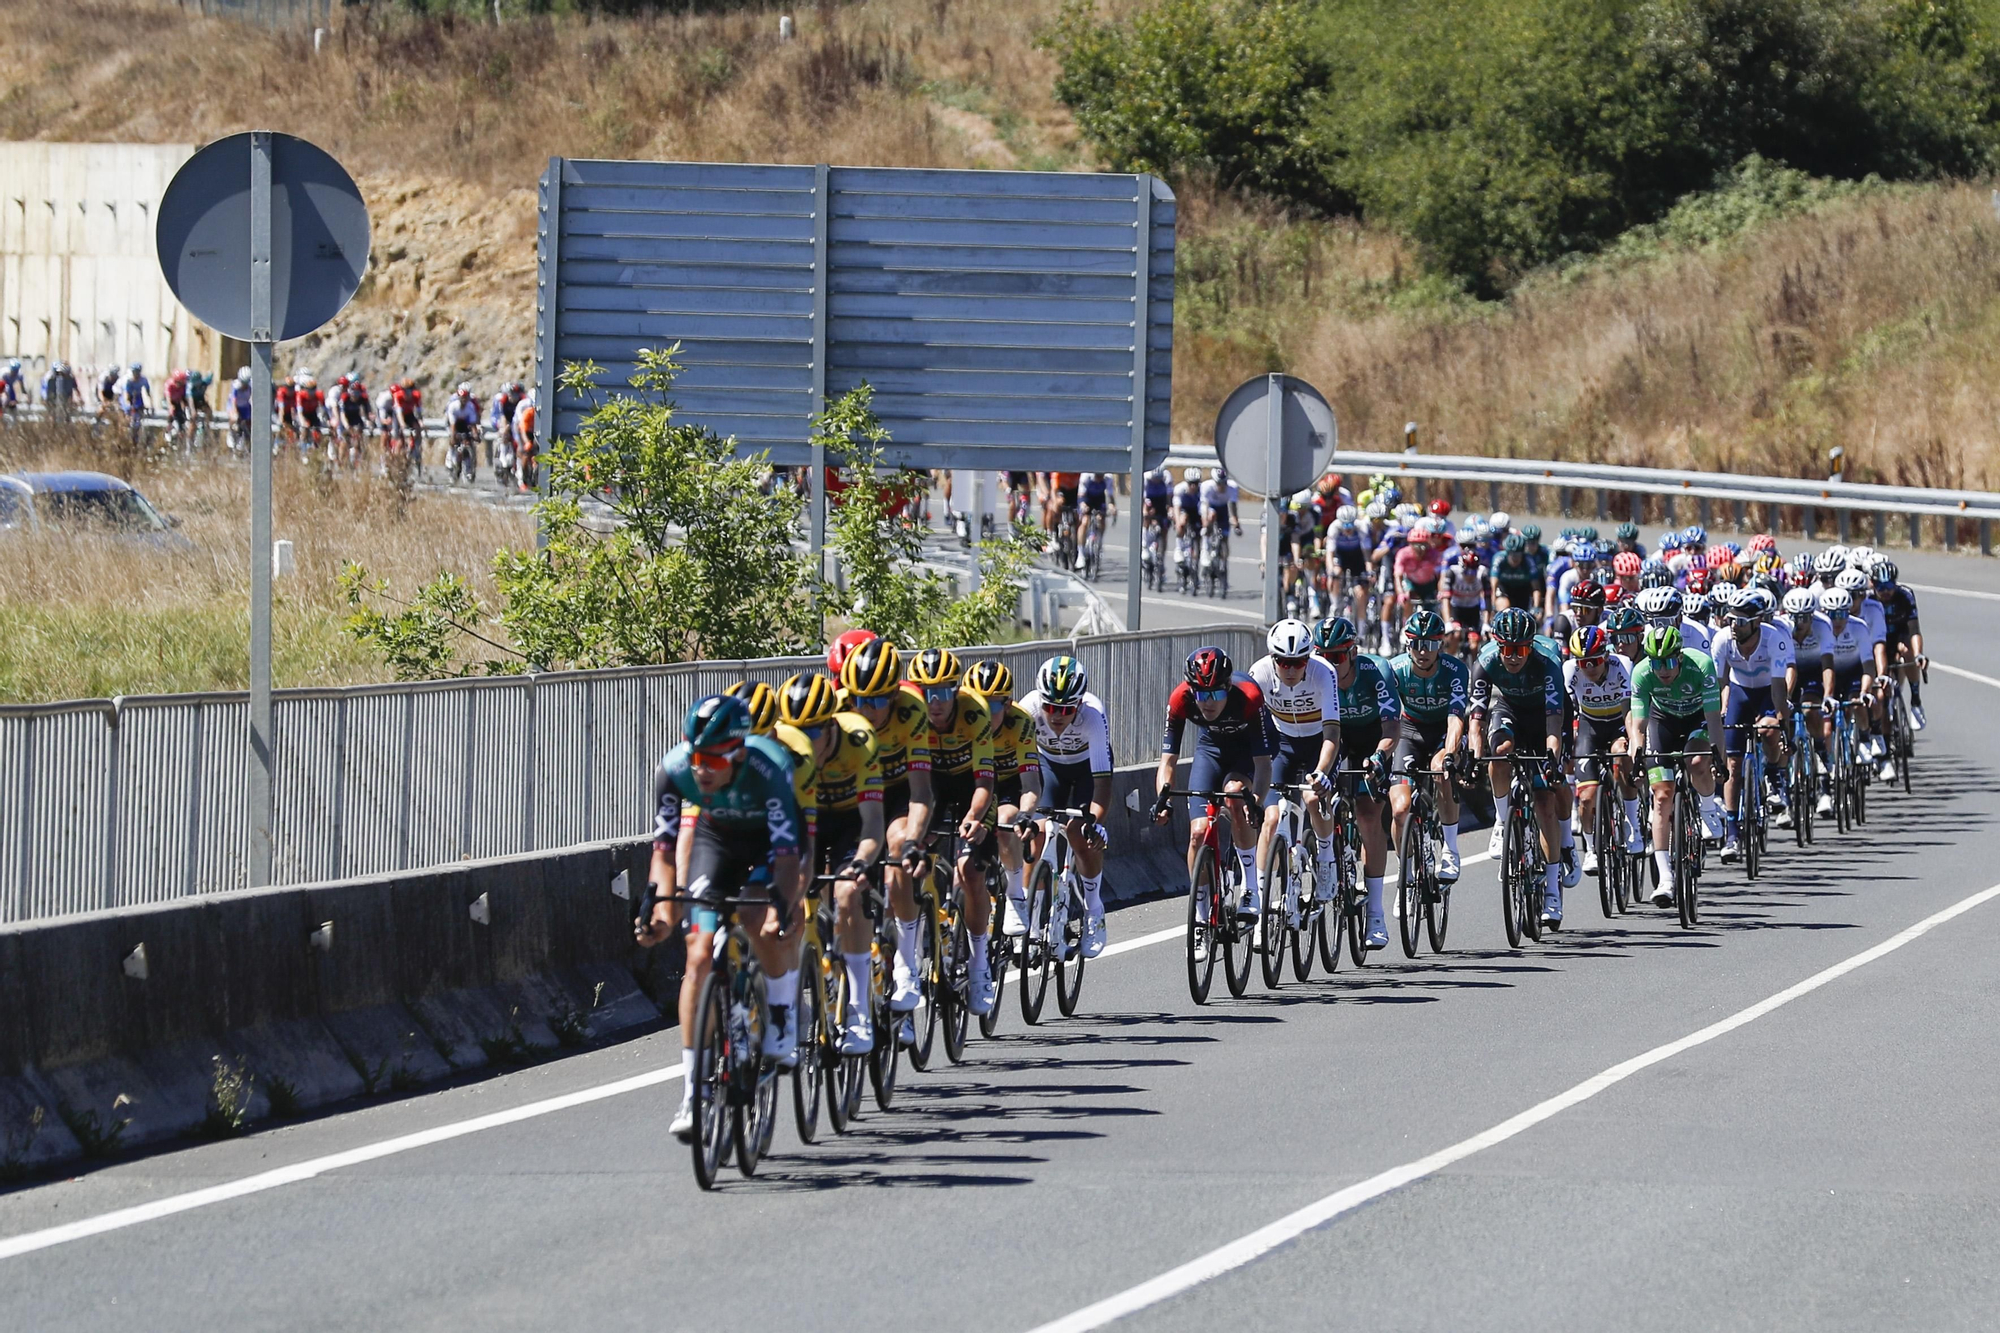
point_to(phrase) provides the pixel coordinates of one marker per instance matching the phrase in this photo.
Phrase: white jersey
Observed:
(1852, 643)
(385, 407)
(1695, 634)
(1218, 494)
(1606, 700)
(1753, 668)
(1086, 740)
(1810, 644)
(1464, 587)
(1303, 709)
(1877, 619)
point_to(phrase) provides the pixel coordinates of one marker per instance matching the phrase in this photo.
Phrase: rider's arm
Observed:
(1100, 796)
(868, 850)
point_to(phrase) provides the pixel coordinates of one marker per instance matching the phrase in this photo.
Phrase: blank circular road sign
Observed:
(319, 236)
(1243, 434)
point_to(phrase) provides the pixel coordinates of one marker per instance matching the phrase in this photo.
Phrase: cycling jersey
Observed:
(1240, 726)
(1218, 495)
(1605, 700)
(903, 740)
(239, 399)
(1303, 709)
(1159, 486)
(1852, 644)
(759, 801)
(1429, 701)
(1515, 575)
(1812, 643)
(853, 773)
(1419, 567)
(1465, 586)
(1095, 486)
(463, 412)
(1347, 536)
(1538, 684)
(964, 745)
(1368, 700)
(1751, 668)
(177, 387)
(1876, 617)
(1899, 608)
(1012, 732)
(1087, 739)
(1692, 692)
(136, 388)
(309, 401)
(1187, 498)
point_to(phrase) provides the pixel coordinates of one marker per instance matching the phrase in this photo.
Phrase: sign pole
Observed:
(261, 343)
(1274, 406)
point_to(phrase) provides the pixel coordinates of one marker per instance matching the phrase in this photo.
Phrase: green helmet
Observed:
(1589, 533)
(1533, 532)
(1625, 618)
(1423, 625)
(1662, 641)
(717, 720)
(1514, 625)
(1628, 532)
(1514, 542)
(1334, 632)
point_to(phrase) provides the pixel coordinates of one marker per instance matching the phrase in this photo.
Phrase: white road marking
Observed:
(1952, 592)
(1961, 671)
(1314, 1215)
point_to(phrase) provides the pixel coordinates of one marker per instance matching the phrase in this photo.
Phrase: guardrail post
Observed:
(1603, 504)
(1916, 531)
(1534, 498)
(1458, 496)
(1881, 529)
(1986, 536)
(1840, 524)
(1673, 518)
(1950, 533)
(1736, 513)
(1492, 496)
(1562, 500)
(1809, 519)
(1638, 506)
(1702, 508)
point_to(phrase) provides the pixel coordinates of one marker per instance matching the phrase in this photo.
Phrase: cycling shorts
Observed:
(895, 801)
(1068, 786)
(1422, 592)
(1296, 756)
(1746, 705)
(1527, 720)
(953, 795)
(1159, 508)
(1467, 617)
(838, 836)
(1007, 791)
(1668, 733)
(1592, 745)
(721, 864)
(1847, 681)
(1417, 746)
(1358, 740)
(1067, 495)
(1353, 561)
(1018, 481)
(1212, 767)
(1097, 503)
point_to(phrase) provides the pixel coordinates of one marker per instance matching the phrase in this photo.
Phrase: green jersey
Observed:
(1693, 691)
(1430, 700)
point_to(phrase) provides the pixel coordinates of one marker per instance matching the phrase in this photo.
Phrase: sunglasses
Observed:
(1339, 655)
(1211, 696)
(714, 761)
(1290, 663)
(814, 732)
(873, 702)
(1061, 712)
(940, 694)
(1516, 649)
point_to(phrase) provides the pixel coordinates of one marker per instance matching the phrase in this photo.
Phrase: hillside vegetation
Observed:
(1642, 285)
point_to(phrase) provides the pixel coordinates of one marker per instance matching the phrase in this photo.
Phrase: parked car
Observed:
(34, 501)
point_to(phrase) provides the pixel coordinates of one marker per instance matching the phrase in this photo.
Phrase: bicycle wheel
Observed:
(955, 986)
(885, 1061)
(1202, 935)
(1604, 837)
(844, 1075)
(809, 1021)
(1235, 933)
(757, 1122)
(1309, 911)
(1069, 966)
(1326, 930)
(710, 1092)
(1034, 945)
(1357, 921)
(1680, 842)
(931, 983)
(1410, 884)
(1750, 799)
(998, 951)
(1271, 932)
(1857, 792)
(1513, 872)
(1437, 915)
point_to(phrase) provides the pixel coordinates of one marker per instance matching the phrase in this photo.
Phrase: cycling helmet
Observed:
(1333, 633)
(1727, 572)
(716, 721)
(243, 375)
(1663, 641)
(1724, 596)
(1514, 626)
(872, 670)
(836, 654)
(1501, 520)
(1441, 507)
(1660, 603)
(1290, 638)
(807, 700)
(1753, 604)
(1802, 568)
(1063, 681)
(1861, 557)
(136, 369)
(761, 700)
(1680, 562)
(935, 666)
(1764, 542)
(1625, 619)
(1695, 606)
(1669, 541)
(1834, 602)
(1378, 511)
(1191, 475)
(1532, 532)
(1885, 574)
(1514, 542)
(1587, 593)
(1424, 626)
(1208, 669)
(990, 676)
(1589, 641)
(1614, 593)
(1655, 576)
(1626, 564)
(1467, 539)
(1628, 532)
(1851, 580)
(1800, 602)
(342, 381)
(1694, 534)
(1697, 581)
(1831, 561)
(1346, 514)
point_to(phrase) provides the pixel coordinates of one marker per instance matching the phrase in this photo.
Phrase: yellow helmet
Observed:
(807, 700)
(762, 702)
(990, 676)
(935, 666)
(872, 670)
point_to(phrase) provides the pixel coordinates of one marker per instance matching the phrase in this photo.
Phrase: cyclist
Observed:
(1371, 726)
(177, 402)
(309, 401)
(746, 836)
(506, 404)
(962, 778)
(137, 395)
(1905, 634)
(1012, 734)
(198, 382)
(839, 650)
(1627, 630)
(1347, 560)
(462, 419)
(1668, 606)
(13, 386)
(761, 701)
(526, 448)
(1854, 651)
(849, 836)
(1061, 497)
(1516, 581)
(1869, 613)
(1099, 506)
(1586, 607)
(239, 408)
(410, 417)
(60, 395)
(353, 407)
(1218, 500)
(1431, 690)
(1187, 502)
(872, 679)
(1599, 685)
(1675, 707)
(1301, 702)
(1073, 771)
(1232, 753)
(1628, 541)
(1517, 694)
(1465, 589)
(1419, 568)
(1753, 663)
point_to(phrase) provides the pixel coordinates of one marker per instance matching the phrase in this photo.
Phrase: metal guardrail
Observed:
(117, 802)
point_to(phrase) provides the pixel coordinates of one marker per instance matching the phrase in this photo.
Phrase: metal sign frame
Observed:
(1006, 319)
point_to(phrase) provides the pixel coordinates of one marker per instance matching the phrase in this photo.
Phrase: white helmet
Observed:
(1215, 474)
(1290, 638)
(1724, 595)
(1754, 603)
(1851, 580)
(1660, 603)
(1192, 474)
(1378, 510)
(1801, 602)
(1680, 562)
(1347, 513)
(1500, 521)
(1834, 602)
(1695, 606)
(1861, 557)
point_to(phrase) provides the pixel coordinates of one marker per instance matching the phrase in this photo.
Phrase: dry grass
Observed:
(87, 615)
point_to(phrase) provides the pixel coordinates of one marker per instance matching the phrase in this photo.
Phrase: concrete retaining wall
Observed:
(126, 1027)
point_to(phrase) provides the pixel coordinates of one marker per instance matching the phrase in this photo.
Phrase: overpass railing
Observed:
(116, 802)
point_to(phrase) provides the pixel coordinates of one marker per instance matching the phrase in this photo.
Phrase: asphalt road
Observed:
(1825, 1163)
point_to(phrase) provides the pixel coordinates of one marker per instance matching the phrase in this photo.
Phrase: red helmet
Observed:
(1762, 542)
(1626, 564)
(1614, 593)
(1587, 592)
(1441, 507)
(1697, 580)
(836, 655)
(1209, 669)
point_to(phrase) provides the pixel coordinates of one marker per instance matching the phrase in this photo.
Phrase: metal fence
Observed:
(295, 15)
(115, 802)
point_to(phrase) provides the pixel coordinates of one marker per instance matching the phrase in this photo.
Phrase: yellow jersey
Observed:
(854, 773)
(965, 743)
(903, 740)
(1013, 733)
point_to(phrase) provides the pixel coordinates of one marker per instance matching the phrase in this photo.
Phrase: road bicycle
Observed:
(1092, 546)
(944, 972)
(1215, 557)
(1214, 891)
(1424, 902)
(1845, 767)
(1523, 866)
(733, 1087)
(1617, 869)
(1802, 778)
(1902, 728)
(1065, 537)
(1186, 566)
(1351, 894)
(1154, 558)
(1751, 833)
(1052, 947)
(462, 457)
(1295, 903)
(1687, 841)
(823, 1077)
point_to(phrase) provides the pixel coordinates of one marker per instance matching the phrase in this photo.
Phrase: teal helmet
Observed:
(718, 720)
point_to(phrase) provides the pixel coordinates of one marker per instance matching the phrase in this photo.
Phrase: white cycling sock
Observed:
(1632, 811)
(906, 943)
(1093, 894)
(1552, 893)
(687, 1072)
(979, 943)
(782, 991)
(1500, 804)
(1451, 838)
(858, 981)
(1568, 833)
(1665, 861)
(1248, 856)
(1374, 897)
(1016, 883)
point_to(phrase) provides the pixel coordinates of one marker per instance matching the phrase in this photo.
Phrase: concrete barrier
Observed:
(147, 1024)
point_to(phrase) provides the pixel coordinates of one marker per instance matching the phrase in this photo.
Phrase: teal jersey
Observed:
(1429, 701)
(761, 799)
(1694, 690)
(1370, 698)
